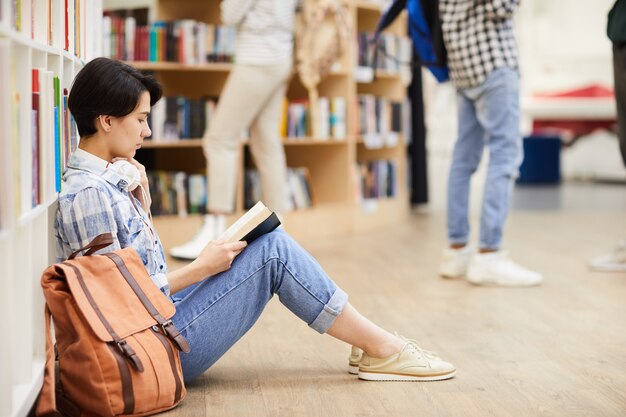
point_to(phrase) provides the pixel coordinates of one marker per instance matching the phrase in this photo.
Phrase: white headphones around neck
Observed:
(128, 172)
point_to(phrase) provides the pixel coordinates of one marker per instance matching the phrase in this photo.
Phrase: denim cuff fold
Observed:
(332, 309)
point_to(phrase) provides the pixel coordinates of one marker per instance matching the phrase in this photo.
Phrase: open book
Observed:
(256, 222)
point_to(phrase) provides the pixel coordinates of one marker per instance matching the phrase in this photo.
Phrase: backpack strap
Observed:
(169, 329)
(99, 242)
(51, 396)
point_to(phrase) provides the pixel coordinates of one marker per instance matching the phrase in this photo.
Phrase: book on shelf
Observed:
(331, 120)
(256, 222)
(298, 185)
(386, 55)
(177, 193)
(128, 36)
(380, 121)
(58, 134)
(376, 179)
(35, 139)
(175, 118)
(338, 117)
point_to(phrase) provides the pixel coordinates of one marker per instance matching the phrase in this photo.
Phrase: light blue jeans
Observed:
(215, 313)
(488, 116)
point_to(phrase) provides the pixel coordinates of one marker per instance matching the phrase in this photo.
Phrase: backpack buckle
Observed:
(121, 345)
(165, 325)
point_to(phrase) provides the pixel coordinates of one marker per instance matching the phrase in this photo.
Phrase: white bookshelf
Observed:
(26, 232)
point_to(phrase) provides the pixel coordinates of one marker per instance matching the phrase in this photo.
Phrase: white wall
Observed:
(563, 43)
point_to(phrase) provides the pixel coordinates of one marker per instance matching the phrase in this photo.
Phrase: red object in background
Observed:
(581, 126)
(590, 91)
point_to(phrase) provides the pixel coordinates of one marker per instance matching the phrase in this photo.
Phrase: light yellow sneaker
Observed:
(412, 363)
(353, 361)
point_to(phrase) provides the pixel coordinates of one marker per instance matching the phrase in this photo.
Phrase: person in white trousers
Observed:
(252, 98)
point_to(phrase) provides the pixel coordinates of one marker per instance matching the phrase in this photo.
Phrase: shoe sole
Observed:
(376, 376)
(182, 256)
(451, 276)
(607, 268)
(503, 284)
(353, 369)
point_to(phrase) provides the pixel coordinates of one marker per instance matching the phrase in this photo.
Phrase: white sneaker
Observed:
(495, 268)
(454, 262)
(611, 262)
(212, 227)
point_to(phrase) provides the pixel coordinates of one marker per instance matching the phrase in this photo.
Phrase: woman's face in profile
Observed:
(129, 132)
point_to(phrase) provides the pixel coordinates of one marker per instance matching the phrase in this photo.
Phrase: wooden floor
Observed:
(555, 350)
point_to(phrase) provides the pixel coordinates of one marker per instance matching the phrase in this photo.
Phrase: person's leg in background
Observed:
(267, 148)
(498, 112)
(615, 261)
(247, 91)
(218, 311)
(466, 156)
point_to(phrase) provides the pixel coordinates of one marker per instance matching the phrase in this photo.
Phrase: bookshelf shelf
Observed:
(36, 65)
(381, 74)
(183, 143)
(313, 142)
(197, 143)
(368, 6)
(331, 164)
(175, 66)
(31, 215)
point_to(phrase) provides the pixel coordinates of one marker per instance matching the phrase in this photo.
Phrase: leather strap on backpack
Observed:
(166, 325)
(99, 242)
(48, 404)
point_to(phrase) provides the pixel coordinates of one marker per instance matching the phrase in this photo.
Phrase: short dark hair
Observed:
(107, 87)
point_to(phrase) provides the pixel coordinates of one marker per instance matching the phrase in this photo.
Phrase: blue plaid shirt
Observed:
(92, 202)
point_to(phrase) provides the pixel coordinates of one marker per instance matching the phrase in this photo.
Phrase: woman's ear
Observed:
(105, 122)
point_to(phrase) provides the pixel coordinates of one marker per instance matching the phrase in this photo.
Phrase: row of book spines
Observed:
(53, 137)
(377, 179)
(296, 118)
(49, 15)
(184, 41)
(177, 193)
(180, 193)
(176, 117)
(387, 54)
(378, 115)
(298, 185)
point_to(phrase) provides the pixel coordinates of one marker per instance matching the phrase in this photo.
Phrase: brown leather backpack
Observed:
(117, 347)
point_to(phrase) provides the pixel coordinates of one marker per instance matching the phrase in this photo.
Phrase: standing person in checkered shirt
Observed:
(482, 58)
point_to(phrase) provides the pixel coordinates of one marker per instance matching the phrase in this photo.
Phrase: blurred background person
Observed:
(252, 98)
(482, 58)
(616, 31)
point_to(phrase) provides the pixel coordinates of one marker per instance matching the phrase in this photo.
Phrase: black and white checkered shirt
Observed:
(479, 38)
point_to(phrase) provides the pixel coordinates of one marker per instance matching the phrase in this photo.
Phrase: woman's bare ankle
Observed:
(387, 348)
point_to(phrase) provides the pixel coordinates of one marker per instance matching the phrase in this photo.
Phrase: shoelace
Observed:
(415, 345)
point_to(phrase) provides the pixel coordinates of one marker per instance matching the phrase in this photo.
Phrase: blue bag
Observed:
(425, 32)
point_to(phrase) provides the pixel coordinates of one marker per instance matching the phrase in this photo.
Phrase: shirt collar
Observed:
(82, 160)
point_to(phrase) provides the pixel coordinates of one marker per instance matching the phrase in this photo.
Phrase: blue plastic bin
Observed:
(542, 160)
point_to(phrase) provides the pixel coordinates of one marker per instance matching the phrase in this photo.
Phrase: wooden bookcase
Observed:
(27, 242)
(331, 163)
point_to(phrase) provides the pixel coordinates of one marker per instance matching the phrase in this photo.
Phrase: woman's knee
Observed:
(275, 244)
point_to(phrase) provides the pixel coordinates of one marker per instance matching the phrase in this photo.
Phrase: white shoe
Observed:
(454, 262)
(611, 262)
(496, 268)
(212, 227)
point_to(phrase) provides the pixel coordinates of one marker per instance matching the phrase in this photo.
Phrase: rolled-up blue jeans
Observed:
(216, 312)
(489, 116)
